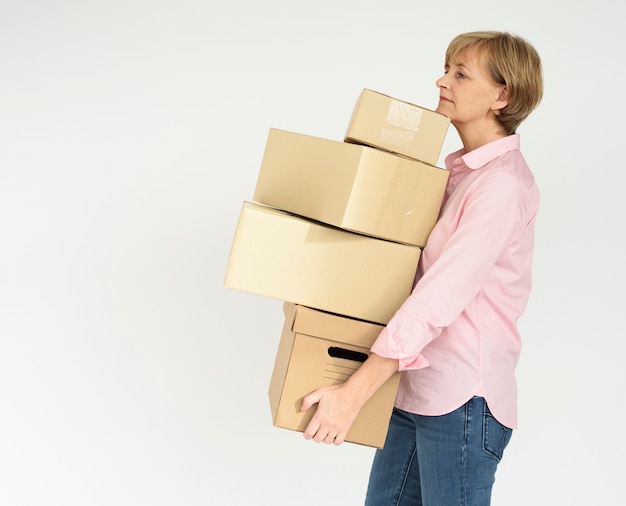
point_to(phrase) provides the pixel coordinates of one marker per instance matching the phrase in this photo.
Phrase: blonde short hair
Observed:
(511, 61)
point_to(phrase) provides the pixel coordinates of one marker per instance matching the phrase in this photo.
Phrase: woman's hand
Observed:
(336, 411)
(335, 414)
(339, 405)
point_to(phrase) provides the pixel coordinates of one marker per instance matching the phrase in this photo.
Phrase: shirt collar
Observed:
(481, 156)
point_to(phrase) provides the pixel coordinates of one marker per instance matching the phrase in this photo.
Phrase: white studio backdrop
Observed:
(130, 134)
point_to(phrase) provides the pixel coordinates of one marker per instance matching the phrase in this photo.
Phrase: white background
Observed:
(130, 134)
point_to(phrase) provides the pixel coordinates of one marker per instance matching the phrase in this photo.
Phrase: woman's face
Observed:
(467, 95)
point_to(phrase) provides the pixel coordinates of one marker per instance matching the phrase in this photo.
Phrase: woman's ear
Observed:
(502, 101)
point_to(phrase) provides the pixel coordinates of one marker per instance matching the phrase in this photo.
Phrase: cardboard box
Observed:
(319, 349)
(279, 255)
(397, 126)
(354, 187)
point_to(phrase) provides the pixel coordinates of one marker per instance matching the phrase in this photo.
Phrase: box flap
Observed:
(333, 327)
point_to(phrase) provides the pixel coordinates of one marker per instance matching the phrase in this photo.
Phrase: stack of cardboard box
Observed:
(335, 230)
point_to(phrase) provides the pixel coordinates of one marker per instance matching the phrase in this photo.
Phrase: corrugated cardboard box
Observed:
(279, 255)
(319, 349)
(395, 125)
(354, 187)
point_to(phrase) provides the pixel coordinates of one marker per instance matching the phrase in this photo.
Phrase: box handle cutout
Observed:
(356, 356)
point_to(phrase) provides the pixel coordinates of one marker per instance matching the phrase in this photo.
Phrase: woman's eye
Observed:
(460, 75)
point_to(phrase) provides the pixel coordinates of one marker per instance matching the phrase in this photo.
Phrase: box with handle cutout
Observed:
(319, 349)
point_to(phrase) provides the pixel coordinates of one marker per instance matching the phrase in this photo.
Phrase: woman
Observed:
(455, 338)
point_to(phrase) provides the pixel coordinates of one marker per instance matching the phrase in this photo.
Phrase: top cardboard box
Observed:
(353, 187)
(397, 126)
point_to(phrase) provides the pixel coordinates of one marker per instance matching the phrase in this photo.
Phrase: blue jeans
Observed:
(447, 460)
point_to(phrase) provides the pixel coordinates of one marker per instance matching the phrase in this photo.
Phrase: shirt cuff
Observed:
(383, 348)
(418, 362)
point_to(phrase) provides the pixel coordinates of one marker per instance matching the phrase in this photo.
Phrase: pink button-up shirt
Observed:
(456, 335)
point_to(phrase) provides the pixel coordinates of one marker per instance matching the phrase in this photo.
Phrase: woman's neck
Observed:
(475, 136)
